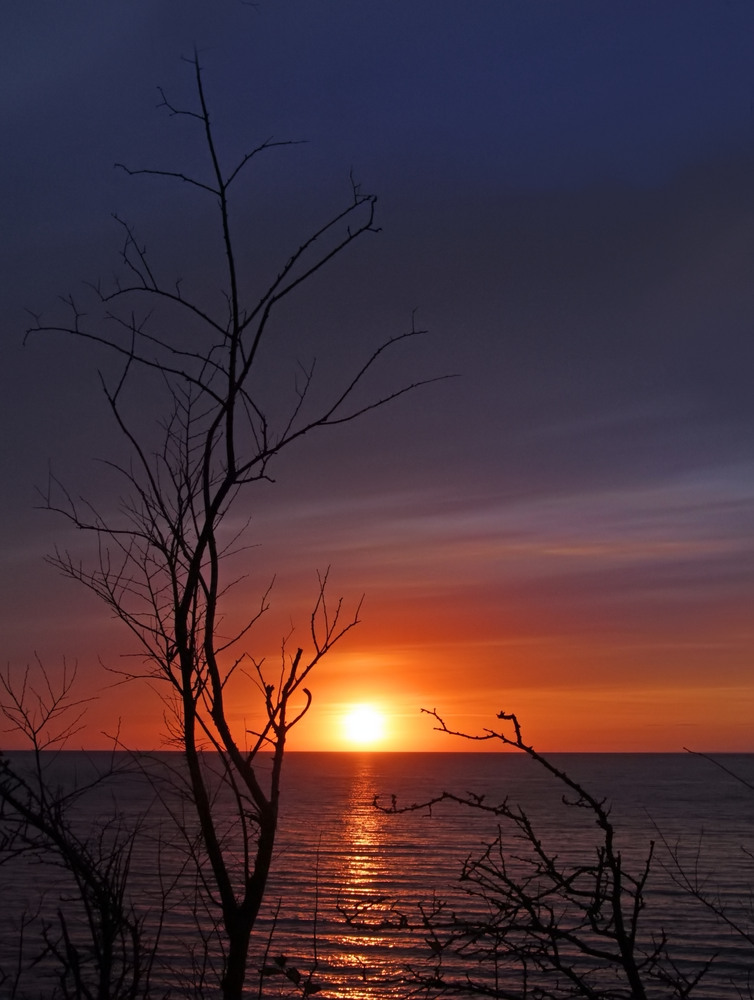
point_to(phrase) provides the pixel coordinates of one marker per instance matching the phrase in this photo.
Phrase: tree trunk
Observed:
(235, 966)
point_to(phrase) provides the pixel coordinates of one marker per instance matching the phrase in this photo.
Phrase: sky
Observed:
(566, 203)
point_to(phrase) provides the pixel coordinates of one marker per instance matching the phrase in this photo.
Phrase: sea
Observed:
(356, 870)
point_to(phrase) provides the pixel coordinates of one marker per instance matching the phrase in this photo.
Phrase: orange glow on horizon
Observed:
(574, 688)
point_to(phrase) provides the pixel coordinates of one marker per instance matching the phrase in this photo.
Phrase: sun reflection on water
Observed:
(366, 904)
(364, 872)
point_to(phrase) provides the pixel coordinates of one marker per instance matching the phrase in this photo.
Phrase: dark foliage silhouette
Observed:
(162, 560)
(536, 922)
(91, 939)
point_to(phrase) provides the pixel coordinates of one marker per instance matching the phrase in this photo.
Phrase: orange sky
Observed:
(468, 684)
(583, 677)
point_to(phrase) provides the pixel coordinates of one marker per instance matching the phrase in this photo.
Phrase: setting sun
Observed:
(364, 724)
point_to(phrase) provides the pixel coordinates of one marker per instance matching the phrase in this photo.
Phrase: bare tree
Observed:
(690, 871)
(90, 937)
(161, 564)
(533, 923)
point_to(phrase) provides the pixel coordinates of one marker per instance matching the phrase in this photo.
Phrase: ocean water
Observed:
(349, 880)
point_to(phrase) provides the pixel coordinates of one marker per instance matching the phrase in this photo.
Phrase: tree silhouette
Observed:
(95, 941)
(162, 559)
(536, 922)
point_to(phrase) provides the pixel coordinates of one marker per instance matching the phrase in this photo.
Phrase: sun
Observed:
(364, 724)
